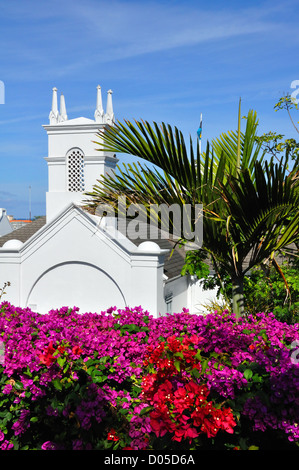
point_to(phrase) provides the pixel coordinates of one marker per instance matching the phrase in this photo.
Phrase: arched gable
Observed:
(75, 283)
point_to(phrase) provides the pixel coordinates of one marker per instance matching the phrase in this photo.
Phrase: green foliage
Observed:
(265, 290)
(273, 142)
(286, 102)
(195, 264)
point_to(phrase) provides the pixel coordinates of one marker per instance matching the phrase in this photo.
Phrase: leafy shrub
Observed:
(264, 288)
(121, 379)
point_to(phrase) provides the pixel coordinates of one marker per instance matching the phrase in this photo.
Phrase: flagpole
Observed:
(29, 202)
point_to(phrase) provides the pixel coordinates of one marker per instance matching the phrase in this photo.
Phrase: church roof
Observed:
(25, 232)
(174, 261)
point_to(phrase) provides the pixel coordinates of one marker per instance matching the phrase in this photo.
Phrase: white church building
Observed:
(72, 258)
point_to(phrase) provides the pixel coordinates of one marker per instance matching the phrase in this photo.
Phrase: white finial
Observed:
(63, 115)
(53, 116)
(109, 110)
(99, 112)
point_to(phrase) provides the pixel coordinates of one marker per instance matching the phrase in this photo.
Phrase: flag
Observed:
(199, 130)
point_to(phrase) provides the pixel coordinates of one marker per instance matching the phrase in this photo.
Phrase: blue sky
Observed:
(164, 60)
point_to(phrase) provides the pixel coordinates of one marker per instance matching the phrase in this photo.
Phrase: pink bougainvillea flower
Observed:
(48, 445)
(149, 355)
(6, 445)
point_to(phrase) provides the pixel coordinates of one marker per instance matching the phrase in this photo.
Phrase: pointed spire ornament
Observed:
(63, 115)
(99, 112)
(54, 115)
(109, 109)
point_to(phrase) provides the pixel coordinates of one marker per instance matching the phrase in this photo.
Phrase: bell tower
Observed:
(74, 161)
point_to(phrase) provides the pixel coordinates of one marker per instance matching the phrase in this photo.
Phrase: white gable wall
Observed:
(73, 262)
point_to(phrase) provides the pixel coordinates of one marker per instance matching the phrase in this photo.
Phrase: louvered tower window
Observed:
(75, 171)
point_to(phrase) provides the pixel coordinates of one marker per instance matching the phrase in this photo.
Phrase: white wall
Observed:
(176, 290)
(187, 292)
(10, 271)
(75, 284)
(198, 297)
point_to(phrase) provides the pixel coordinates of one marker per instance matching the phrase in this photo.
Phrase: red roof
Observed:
(20, 220)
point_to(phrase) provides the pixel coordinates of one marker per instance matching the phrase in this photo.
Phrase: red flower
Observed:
(112, 435)
(189, 356)
(47, 357)
(198, 416)
(182, 400)
(197, 339)
(161, 423)
(156, 353)
(194, 339)
(174, 344)
(148, 384)
(227, 420)
(200, 391)
(186, 432)
(209, 427)
(77, 350)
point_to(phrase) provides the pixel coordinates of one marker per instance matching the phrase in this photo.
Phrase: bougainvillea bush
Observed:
(121, 379)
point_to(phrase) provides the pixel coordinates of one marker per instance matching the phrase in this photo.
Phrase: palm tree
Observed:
(262, 218)
(227, 180)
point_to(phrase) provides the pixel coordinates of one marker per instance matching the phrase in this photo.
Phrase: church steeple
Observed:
(54, 115)
(109, 108)
(99, 112)
(75, 163)
(63, 115)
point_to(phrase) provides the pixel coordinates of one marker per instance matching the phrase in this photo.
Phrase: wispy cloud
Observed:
(145, 27)
(76, 34)
(129, 29)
